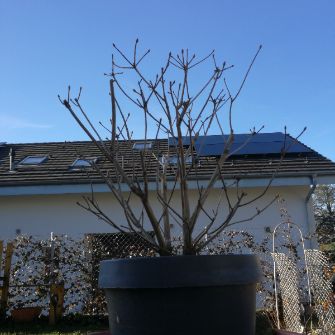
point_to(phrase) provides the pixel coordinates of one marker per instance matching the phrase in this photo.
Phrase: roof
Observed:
(56, 169)
(247, 144)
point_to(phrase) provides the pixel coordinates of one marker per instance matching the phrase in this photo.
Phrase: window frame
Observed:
(43, 159)
(89, 160)
(146, 146)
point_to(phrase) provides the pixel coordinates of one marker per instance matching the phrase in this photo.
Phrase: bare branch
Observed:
(182, 113)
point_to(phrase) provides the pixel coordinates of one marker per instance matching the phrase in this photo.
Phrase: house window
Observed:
(33, 160)
(173, 160)
(80, 163)
(140, 146)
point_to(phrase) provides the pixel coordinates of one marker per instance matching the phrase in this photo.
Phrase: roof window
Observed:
(140, 146)
(80, 163)
(33, 160)
(173, 160)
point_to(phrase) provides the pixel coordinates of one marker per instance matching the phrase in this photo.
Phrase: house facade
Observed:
(41, 184)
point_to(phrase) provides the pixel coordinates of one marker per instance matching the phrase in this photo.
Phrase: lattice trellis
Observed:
(299, 280)
(319, 272)
(288, 277)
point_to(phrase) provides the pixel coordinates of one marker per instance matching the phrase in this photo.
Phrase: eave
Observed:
(84, 188)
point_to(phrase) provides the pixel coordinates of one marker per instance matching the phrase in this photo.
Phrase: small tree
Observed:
(324, 200)
(170, 104)
(324, 211)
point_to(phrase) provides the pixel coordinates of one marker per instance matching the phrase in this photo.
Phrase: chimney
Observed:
(11, 160)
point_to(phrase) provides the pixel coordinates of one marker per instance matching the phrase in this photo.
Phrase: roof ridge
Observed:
(5, 144)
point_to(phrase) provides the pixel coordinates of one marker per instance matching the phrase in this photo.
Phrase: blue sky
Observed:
(46, 45)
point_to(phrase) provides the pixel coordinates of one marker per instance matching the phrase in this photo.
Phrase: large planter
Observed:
(181, 295)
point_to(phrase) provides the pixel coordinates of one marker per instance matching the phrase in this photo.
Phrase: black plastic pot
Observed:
(181, 295)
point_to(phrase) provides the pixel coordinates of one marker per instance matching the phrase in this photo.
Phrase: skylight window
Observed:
(173, 160)
(84, 162)
(33, 160)
(142, 146)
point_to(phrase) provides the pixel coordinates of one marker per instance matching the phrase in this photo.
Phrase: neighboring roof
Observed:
(56, 169)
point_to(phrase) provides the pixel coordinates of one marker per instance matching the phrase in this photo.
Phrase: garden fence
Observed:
(74, 261)
(39, 262)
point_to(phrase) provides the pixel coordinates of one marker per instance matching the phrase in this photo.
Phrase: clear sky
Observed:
(47, 44)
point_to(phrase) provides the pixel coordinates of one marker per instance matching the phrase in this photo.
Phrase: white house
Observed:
(41, 183)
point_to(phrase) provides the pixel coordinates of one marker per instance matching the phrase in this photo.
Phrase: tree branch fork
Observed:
(165, 103)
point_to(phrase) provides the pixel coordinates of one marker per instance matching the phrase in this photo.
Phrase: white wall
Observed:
(40, 215)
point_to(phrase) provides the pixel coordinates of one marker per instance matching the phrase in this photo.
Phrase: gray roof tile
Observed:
(61, 155)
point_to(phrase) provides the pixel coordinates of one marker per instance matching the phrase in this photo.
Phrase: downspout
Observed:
(313, 244)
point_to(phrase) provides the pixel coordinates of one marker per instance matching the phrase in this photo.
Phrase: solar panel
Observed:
(246, 144)
(173, 141)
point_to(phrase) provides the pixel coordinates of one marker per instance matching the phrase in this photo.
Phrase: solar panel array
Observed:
(245, 144)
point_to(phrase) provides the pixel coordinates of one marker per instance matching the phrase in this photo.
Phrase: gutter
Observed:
(54, 189)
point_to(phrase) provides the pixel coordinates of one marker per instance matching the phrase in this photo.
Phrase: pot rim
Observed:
(180, 271)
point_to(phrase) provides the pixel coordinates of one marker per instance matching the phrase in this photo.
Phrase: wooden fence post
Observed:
(5, 280)
(56, 303)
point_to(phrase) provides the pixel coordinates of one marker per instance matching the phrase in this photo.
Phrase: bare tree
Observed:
(324, 200)
(175, 109)
(324, 211)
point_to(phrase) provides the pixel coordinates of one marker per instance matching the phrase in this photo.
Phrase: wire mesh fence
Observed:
(39, 262)
(107, 246)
